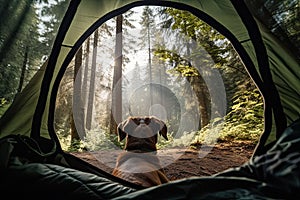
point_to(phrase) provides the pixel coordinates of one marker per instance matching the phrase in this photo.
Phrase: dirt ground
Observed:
(221, 157)
(181, 162)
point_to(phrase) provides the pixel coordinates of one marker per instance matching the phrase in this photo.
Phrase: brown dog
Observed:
(139, 163)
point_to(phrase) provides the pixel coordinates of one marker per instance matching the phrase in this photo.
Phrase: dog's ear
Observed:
(164, 130)
(162, 127)
(126, 127)
(121, 133)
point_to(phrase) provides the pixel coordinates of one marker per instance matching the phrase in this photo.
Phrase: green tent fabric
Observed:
(271, 58)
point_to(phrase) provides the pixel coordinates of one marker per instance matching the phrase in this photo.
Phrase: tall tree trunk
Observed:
(78, 109)
(86, 71)
(23, 71)
(150, 64)
(89, 117)
(201, 91)
(116, 114)
(200, 88)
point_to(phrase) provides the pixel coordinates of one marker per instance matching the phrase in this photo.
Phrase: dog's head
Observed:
(141, 132)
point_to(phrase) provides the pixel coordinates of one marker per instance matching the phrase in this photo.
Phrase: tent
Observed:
(33, 163)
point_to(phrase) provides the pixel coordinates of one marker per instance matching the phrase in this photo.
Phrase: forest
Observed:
(148, 61)
(163, 62)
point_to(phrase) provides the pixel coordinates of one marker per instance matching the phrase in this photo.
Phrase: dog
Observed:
(138, 162)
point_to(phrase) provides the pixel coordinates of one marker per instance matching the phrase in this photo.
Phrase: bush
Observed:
(243, 122)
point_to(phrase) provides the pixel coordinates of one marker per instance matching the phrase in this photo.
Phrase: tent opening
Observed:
(163, 62)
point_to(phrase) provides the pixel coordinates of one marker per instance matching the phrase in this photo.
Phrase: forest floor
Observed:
(181, 162)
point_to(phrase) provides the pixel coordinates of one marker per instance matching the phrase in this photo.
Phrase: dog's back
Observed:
(139, 163)
(140, 168)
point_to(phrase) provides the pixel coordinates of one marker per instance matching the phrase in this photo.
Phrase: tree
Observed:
(182, 21)
(189, 65)
(22, 50)
(90, 105)
(116, 115)
(147, 22)
(78, 110)
(51, 13)
(18, 37)
(24, 66)
(86, 71)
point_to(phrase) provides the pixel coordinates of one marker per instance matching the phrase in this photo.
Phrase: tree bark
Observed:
(22, 77)
(116, 114)
(89, 117)
(200, 88)
(86, 72)
(78, 109)
(201, 91)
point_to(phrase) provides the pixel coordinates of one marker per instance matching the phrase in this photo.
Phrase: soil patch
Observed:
(185, 162)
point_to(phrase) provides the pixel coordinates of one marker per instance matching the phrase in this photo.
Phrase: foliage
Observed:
(185, 140)
(100, 139)
(180, 65)
(94, 140)
(244, 106)
(243, 122)
(206, 36)
(162, 143)
(22, 42)
(18, 33)
(51, 13)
